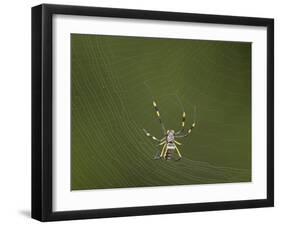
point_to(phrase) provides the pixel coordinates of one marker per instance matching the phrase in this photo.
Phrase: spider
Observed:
(168, 141)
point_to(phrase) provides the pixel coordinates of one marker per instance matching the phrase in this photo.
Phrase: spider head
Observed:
(170, 135)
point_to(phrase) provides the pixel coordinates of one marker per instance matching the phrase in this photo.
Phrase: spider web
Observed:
(117, 153)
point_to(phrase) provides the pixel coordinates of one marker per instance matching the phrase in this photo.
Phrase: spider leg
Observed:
(188, 131)
(177, 142)
(159, 153)
(153, 137)
(178, 152)
(159, 117)
(182, 123)
(163, 150)
(163, 142)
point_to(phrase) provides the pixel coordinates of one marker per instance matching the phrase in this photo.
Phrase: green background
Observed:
(114, 81)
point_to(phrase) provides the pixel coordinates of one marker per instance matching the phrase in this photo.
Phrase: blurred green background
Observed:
(114, 81)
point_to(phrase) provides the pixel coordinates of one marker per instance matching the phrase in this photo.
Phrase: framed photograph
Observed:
(145, 112)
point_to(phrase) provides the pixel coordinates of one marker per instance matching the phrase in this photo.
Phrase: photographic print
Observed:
(139, 112)
(151, 111)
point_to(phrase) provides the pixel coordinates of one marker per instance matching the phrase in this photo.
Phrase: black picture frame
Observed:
(42, 111)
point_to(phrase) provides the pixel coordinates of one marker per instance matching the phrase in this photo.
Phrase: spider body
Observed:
(169, 142)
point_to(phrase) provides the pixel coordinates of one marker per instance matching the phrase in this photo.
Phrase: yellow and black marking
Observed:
(158, 115)
(183, 119)
(182, 123)
(190, 129)
(149, 135)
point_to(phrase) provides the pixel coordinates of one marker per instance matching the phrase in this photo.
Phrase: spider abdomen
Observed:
(169, 154)
(171, 145)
